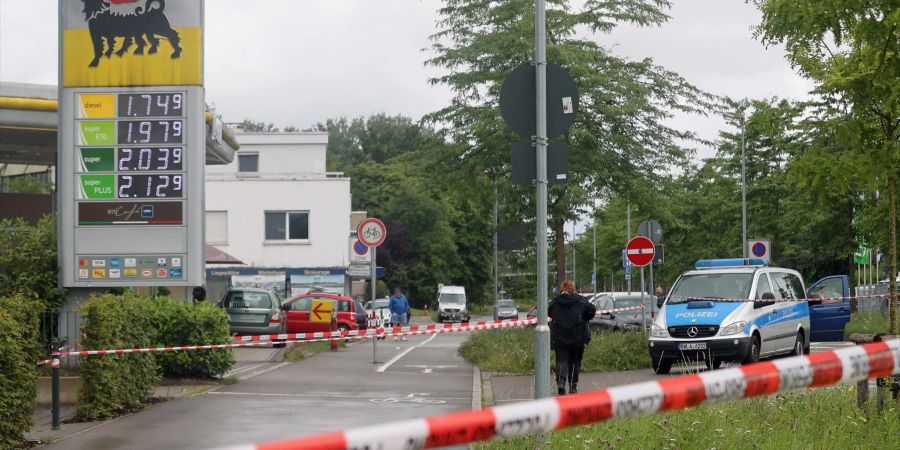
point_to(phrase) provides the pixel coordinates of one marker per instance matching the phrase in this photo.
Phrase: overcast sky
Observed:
(297, 62)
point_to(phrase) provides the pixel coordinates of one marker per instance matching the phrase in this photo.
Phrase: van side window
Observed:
(301, 304)
(787, 286)
(343, 306)
(762, 286)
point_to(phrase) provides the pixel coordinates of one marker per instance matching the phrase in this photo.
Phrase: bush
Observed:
(867, 322)
(19, 351)
(28, 262)
(513, 351)
(114, 383)
(180, 323)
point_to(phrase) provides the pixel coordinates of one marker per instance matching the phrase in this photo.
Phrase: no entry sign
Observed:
(640, 251)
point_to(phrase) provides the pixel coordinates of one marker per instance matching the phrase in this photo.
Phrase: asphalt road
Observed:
(326, 392)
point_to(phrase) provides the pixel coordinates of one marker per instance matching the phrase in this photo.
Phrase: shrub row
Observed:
(111, 384)
(19, 350)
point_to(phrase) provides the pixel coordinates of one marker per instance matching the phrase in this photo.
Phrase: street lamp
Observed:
(739, 116)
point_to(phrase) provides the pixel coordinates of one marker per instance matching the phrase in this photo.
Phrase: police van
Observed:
(703, 317)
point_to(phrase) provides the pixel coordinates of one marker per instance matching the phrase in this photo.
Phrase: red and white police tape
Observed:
(311, 337)
(822, 299)
(845, 365)
(391, 331)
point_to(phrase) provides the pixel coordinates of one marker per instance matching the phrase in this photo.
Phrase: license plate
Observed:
(692, 346)
(248, 318)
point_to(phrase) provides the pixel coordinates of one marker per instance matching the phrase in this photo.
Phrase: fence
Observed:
(55, 327)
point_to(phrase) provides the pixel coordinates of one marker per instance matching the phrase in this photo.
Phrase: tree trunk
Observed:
(892, 250)
(560, 233)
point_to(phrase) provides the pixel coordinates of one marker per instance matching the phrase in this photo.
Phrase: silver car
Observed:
(506, 309)
(253, 311)
(625, 320)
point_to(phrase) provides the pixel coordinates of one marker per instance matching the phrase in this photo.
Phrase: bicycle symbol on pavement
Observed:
(411, 398)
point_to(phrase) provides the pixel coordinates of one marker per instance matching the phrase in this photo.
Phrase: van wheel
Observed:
(662, 367)
(753, 354)
(799, 343)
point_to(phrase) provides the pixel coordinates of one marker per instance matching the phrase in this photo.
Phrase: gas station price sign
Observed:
(134, 160)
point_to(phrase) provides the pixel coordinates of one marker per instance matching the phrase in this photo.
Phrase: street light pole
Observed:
(743, 189)
(541, 331)
(496, 266)
(594, 261)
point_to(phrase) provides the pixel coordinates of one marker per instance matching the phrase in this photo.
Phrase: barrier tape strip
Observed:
(390, 331)
(879, 359)
(823, 299)
(407, 331)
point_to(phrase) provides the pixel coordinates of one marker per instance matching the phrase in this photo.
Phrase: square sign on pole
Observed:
(131, 144)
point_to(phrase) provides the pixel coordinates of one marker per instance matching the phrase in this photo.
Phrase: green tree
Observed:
(251, 126)
(851, 50)
(619, 140)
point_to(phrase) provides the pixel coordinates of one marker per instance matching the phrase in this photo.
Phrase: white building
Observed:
(277, 210)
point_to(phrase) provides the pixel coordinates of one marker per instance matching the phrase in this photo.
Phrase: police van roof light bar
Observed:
(729, 262)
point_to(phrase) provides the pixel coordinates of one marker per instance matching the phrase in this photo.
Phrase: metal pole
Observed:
(496, 266)
(743, 191)
(54, 388)
(643, 310)
(594, 261)
(542, 331)
(628, 235)
(574, 273)
(374, 283)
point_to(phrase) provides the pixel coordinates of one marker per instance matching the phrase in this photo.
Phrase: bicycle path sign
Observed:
(371, 232)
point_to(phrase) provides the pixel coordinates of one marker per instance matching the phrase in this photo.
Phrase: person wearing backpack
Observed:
(569, 333)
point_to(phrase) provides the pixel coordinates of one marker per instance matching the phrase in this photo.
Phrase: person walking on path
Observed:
(569, 333)
(399, 307)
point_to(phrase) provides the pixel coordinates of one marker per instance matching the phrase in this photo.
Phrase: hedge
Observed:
(111, 384)
(19, 351)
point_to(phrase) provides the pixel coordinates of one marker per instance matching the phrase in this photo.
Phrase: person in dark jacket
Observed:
(569, 333)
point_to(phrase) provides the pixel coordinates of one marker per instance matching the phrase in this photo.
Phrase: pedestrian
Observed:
(569, 333)
(399, 307)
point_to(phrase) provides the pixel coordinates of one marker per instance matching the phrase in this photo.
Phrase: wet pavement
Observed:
(326, 392)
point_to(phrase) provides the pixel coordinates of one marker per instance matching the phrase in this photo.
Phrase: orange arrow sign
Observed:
(321, 310)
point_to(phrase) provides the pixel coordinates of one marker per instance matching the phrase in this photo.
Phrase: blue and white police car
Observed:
(700, 318)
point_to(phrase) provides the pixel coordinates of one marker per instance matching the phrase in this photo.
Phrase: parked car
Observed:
(297, 310)
(382, 313)
(507, 309)
(362, 319)
(625, 320)
(451, 303)
(699, 318)
(253, 311)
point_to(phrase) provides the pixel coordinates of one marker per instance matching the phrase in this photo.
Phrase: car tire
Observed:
(278, 344)
(799, 348)
(753, 352)
(661, 367)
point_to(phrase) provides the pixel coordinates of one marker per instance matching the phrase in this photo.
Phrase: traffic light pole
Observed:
(542, 331)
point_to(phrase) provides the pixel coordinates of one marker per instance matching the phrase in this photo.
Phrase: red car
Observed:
(298, 314)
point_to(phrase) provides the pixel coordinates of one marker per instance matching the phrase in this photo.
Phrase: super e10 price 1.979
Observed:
(150, 131)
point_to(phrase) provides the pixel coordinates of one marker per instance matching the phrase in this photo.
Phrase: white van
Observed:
(698, 322)
(451, 303)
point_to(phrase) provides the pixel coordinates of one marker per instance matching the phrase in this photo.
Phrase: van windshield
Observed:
(452, 299)
(712, 286)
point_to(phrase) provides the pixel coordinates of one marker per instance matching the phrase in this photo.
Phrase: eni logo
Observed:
(131, 21)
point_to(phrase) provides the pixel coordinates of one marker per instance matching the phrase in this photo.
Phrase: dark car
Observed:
(253, 311)
(362, 320)
(624, 320)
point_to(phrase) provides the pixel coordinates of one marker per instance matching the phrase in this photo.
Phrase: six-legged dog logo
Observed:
(135, 23)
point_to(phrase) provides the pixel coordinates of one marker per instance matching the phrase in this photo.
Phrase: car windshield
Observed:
(248, 299)
(627, 302)
(712, 286)
(381, 304)
(452, 299)
(506, 304)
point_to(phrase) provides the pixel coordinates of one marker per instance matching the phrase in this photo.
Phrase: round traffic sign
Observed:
(759, 249)
(359, 248)
(371, 232)
(640, 251)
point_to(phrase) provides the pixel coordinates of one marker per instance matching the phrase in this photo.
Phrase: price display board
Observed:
(136, 157)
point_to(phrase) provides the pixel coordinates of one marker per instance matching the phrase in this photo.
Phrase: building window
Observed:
(217, 227)
(248, 163)
(287, 225)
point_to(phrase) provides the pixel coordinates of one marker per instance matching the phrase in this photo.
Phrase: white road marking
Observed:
(234, 372)
(264, 371)
(404, 353)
